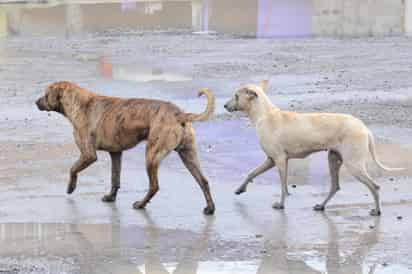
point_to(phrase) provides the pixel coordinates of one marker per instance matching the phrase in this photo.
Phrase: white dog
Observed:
(285, 135)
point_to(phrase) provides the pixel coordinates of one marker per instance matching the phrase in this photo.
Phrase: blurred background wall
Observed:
(259, 18)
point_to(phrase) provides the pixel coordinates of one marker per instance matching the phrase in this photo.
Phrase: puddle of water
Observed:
(137, 73)
(211, 267)
(266, 18)
(145, 75)
(87, 248)
(365, 268)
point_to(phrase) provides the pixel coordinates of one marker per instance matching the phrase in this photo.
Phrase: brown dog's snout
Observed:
(40, 104)
(227, 107)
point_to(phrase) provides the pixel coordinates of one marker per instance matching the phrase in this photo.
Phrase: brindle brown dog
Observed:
(114, 125)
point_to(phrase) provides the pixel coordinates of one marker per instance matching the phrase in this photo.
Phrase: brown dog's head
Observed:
(51, 101)
(245, 96)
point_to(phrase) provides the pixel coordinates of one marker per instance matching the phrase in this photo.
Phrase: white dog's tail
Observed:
(372, 149)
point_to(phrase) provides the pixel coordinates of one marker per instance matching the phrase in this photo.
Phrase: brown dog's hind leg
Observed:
(335, 163)
(116, 158)
(155, 153)
(189, 157)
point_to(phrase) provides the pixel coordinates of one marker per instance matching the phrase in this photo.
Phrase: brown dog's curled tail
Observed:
(204, 116)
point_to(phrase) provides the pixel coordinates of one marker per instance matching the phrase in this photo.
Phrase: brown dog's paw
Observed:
(209, 210)
(138, 205)
(71, 188)
(108, 198)
(319, 208)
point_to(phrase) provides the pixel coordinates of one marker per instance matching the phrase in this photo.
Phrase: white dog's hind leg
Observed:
(282, 164)
(360, 173)
(335, 163)
(268, 164)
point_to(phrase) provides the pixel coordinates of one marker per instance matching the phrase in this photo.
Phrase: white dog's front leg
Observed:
(268, 164)
(282, 164)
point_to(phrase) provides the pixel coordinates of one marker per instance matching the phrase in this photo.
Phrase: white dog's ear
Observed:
(264, 84)
(251, 94)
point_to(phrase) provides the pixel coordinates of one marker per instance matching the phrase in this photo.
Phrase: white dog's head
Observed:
(245, 97)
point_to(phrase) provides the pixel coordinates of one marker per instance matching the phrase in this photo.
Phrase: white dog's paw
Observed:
(375, 212)
(278, 206)
(240, 190)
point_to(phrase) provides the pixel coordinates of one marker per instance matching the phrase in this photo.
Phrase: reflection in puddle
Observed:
(363, 269)
(252, 267)
(88, 248)
(212, 267)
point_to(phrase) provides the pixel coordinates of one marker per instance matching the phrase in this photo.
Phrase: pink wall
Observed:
(284, 18)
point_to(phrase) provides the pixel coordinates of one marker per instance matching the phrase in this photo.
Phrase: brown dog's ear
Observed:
(251, 94)
(264, 84)
(55, 94)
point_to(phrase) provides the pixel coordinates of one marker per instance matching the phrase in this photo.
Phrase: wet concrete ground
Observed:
(42, 230)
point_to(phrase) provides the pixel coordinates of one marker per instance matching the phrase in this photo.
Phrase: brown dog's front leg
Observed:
(116, 168)
(81, 164)
(152, 169)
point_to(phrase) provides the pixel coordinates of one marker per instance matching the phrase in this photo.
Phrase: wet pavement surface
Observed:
(42, 230)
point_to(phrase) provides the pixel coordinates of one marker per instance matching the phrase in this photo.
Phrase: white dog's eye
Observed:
(237, 97)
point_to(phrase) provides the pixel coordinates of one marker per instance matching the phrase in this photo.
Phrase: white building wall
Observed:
(358, 17)
(408, 17)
